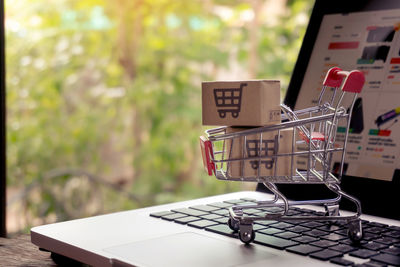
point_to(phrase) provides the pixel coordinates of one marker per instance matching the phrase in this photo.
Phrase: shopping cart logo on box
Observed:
(229, 100)
(263, 153)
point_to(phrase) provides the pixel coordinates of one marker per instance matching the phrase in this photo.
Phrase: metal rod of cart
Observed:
(300, 150)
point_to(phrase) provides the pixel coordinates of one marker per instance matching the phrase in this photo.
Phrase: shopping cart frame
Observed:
(317, 127)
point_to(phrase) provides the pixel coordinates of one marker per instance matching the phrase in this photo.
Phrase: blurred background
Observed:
(104, 97)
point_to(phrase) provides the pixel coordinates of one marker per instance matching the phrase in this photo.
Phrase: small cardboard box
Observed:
(249, 150)
(241, 103)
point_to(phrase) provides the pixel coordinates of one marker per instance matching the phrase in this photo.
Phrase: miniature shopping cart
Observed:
(309, 137)
(229, 100)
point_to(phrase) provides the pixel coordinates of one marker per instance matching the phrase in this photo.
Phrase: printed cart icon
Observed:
(229, 100)
(268, 149)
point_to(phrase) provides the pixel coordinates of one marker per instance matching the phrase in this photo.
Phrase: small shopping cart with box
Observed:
(271, 154)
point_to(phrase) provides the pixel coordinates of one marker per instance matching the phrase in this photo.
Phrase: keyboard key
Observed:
(330, 227)
(239, 202)
(334, 237)
(305, 239)
(387, 240)
(222, 229)
(374, 246)
(251, 211)
(378, 224)
(212, 217)
(393, 227)
(342, 261)
(222, 220)
(272, 209)
(185, 220)
(191, 212)
(270, 231)
(173, 216)
(392, 250)
(387, 258)
(342, 231)
(375, 230)
(370, 236)
(323, 243)
(282, 225)
(326, 254)
(287, 235)
(371, 264)
(315, 233)
(266, 223)
(303, 249)
(348, 241)
(298, 229)
(245, 205)
(221, 205)
(299, 222)
(202, 223)
(274, 242)
(312, 224)
(392, 233)
(205, 208)
(257, 227)
(160, 213)
(222, 212)
(344, 248)
(363, 253)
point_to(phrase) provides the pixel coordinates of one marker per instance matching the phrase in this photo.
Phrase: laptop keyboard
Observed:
(324, 241)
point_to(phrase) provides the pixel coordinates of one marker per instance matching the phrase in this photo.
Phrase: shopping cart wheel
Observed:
(246, 233)
(355, 231)
(233, 224)
(235, 114)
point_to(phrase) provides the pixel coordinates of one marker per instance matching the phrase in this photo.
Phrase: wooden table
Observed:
(19, 251)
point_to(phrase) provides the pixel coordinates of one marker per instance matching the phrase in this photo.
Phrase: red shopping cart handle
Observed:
(208, 155)
(354, 80)
(332, 79)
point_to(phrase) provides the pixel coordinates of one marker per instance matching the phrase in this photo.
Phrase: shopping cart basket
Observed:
(229, 100)
(312, 139)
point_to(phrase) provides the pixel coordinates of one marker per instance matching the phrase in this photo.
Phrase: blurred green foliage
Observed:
(110, 91)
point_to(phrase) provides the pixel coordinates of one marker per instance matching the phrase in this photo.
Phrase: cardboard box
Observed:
(249, 150)
(241, 103)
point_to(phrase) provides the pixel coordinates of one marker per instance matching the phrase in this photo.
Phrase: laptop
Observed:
(361, 35)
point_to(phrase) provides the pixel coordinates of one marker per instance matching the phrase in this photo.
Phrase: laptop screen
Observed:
(361, 35)
(368, 41)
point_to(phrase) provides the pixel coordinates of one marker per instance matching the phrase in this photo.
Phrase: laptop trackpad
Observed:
(188, 249)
